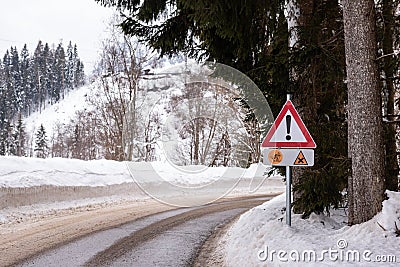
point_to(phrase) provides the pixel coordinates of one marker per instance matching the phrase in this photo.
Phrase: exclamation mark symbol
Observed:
(288, 121)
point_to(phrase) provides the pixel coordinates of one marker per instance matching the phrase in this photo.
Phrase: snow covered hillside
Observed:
(178, 113)
(59, 113)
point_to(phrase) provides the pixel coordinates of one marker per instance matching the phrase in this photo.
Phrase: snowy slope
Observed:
(160, 87)
(163, 116)
(61, 112)
(76, 100)
(261, 237)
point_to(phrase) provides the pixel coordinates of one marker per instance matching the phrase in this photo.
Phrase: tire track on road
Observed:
(129, 243)
(32, 239)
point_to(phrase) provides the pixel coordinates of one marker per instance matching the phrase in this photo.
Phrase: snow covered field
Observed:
(261, 237)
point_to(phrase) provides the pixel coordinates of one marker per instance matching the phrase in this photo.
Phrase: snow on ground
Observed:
(35, 212)
(50, 178)
(59, 113)
(77, 100)
(199, 174)
(27, 172)
(261, 238)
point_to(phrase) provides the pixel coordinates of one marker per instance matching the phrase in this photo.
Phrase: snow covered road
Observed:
(170, 238)
(25, 239)
(51, 205)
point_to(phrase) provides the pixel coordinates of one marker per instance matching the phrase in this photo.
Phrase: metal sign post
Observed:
(288, 189)
(288, 143)
(288, 197)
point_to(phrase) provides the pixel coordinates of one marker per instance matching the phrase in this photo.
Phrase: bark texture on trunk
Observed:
(391, 164)
(364, 111)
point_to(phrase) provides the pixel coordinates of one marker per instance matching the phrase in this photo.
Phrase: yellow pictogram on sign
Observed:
(300, 160)
(275, 156)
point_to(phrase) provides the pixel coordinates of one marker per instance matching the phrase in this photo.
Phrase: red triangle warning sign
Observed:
(288, 130)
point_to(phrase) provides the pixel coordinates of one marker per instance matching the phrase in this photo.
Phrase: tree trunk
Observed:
(391, 164)
(364, 111)
(305, 96)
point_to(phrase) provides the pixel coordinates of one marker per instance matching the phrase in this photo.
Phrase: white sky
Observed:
(27, 21)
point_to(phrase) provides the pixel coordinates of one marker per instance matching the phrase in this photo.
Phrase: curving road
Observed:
(170, 238)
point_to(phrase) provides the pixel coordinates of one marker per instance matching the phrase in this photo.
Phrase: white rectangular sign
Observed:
(299, 157)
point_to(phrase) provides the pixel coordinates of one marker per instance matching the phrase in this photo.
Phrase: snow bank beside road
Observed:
(261, 233)
(29, 172)
(31, 181)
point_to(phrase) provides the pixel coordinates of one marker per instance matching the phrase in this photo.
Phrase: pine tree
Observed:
(10, 141)
(29, 82)
(252, 36)
(69, 67)
(19, 138)
(76, 66)
(47, 70)
(389, 64)
(59, 73)
(80, 74)
(26, 82)
(16, 80)
(5, 137)
(38, 63)
(318, 66)
(10, 94)
(41, 147)
(366, 183)
(3, 115)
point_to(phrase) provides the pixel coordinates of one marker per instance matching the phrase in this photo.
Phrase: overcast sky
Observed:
(28, 21)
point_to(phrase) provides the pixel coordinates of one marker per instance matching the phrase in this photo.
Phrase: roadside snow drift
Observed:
(28, 172)
(261, 237)
(27, 181)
